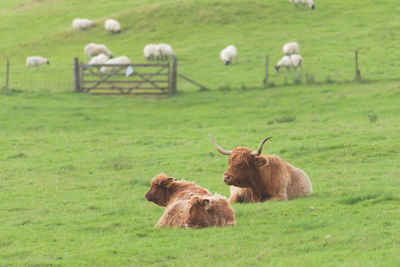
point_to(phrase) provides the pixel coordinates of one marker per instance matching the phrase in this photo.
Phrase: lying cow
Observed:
(255, 177)
(188, 205)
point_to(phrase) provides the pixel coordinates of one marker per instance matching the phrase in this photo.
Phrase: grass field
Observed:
(198, 30)
(74, 168)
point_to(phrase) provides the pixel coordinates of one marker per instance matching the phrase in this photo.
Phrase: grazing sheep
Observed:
(296, 61)
(309, 3)
(151, 51)
(292, 61)
(228, 54)
(82, 24)
(291, 48)
(99, 59)
(165, 51)
(112, 25)
(36, 61)
(93, 49)
(115, 61)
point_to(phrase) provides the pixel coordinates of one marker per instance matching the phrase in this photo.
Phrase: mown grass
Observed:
(74, 169)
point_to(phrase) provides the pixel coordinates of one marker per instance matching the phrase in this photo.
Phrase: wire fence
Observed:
(42, 78)
(254, 73)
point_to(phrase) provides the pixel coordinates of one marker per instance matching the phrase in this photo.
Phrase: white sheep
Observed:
(99, 59)
(165, 51)
(309, 3)
(82, 24)
(112, 25)
(93, 49)
(291, 48)
(36, 61)
(151, 51)
(228, 54)
(115, 61)
(292, 61)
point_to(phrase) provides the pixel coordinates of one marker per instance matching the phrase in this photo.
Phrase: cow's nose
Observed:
(226, 177)
(148, 197)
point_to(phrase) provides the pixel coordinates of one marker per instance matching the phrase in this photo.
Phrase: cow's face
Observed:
(243, 164)
(198, 212)
(160, 190)
(243, 167)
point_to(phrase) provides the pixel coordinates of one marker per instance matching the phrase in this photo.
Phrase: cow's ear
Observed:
(204, 203)
(260, 161)
(168, 182)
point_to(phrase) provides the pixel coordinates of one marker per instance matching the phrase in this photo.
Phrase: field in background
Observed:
(198, 30)
(74, 168)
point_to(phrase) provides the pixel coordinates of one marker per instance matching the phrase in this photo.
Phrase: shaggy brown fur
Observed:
(263, 178)
(165, 190)
(179, 197)
(198, 212)
(210, 211)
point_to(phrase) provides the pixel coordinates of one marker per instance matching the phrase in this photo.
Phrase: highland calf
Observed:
(210, 211)
(188, 205)
(254, 177)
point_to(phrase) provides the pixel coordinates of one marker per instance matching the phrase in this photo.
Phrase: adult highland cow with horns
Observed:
(255, 177)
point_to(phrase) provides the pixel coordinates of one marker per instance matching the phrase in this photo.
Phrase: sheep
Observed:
(115, 61)
(291, 48)
(151, 51)
(296, 61)
(309, 3)
(112, 25)
(292, 61)
(82, 24)
(93, 49)
(228, 54)
(99, 59)
(36, 61)
(165, 51)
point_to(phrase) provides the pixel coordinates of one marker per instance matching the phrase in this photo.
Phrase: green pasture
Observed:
(74, 168)
(198, 31)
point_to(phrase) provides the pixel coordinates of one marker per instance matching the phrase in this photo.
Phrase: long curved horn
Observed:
(258, 152)
(220, 149)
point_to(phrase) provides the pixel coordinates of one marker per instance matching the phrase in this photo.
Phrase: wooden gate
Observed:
(132, 79)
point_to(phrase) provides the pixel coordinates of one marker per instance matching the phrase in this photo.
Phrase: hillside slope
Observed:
(198, 30)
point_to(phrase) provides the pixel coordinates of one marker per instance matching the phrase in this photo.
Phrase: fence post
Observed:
(173, 75)
(358, 72)
(77, 86)
(7, 74)
(266, 70)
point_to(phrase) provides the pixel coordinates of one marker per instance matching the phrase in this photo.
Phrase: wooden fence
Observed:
(132, 79)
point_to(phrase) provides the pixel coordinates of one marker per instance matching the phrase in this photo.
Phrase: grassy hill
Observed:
(198, 30)
(74, 168)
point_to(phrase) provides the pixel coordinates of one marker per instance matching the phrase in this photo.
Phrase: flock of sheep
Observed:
(100, 54)
(292, 59)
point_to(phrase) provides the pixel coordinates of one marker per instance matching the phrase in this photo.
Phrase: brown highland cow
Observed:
(254, 177)
(188, 205)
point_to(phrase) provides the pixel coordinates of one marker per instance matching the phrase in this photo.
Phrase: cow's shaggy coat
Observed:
(256, 177)
(185, 204)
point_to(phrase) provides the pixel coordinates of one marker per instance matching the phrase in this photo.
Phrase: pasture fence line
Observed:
(7, 74)
(358, 72)
(309, 76)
